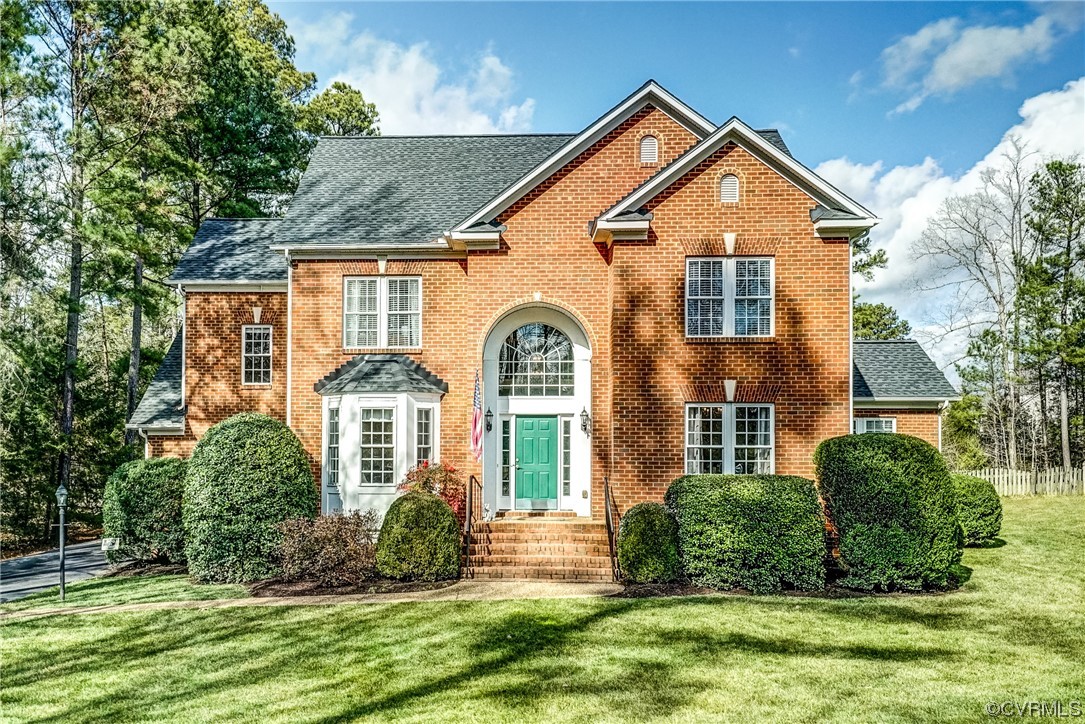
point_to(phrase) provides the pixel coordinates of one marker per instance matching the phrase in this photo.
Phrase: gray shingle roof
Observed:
(897, 369)
(231, 250)
(161, 403)
(820, 212)
(382, 190)
(380, 373)
(773, 136)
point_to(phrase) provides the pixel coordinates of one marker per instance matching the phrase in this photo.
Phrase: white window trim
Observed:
(730, 434)
(382, 312)
(434, 432)
(333, 404)
(857, 421)
(270, 354)
(729, 279)
(396, 434)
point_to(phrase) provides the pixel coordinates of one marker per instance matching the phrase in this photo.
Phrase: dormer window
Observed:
(729, 189)
(649, 150)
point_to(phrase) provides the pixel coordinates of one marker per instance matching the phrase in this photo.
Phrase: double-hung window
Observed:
(256, 354)
(423, 434)
(729, 438)
(730, 297)
(332, 455)
(382, 312)
(874, 424)
(378, 448)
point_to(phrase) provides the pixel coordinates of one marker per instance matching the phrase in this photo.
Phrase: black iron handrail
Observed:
(473, 484)
(611, 516)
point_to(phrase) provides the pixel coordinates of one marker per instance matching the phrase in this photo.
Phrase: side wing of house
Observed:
(898, 388)
(230, 355)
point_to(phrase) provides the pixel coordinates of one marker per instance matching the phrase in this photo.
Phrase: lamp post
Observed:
(62, 503)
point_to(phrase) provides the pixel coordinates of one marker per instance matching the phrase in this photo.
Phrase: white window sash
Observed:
(730, 434)
(862, 425)
(246, 356)
(383, 314)
(730, 279)
(363, 446)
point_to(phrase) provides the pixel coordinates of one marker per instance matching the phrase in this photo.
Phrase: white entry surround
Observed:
(506, 408)
(353, 491)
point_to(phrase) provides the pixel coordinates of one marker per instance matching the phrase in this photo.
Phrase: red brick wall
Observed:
(919, 423)
(805, 366)
(213, 322)
(546, 250)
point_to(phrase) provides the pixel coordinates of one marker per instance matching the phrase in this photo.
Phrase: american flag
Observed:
(476, 422)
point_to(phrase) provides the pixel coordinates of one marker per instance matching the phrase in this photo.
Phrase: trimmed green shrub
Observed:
(648, 544)
(332, 550)
(142, 507)
(759, 532)
(892, 503)
(247, 475)
(419, 540)
(979, 509)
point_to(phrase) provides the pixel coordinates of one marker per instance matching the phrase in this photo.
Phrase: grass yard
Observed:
(1015, 632)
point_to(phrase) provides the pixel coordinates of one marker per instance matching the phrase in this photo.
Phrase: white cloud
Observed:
(906, 197)
(412, 92)
(944, 57)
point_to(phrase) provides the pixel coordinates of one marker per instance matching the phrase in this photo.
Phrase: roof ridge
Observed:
(243, 218)
(886, 341)
(447, 135)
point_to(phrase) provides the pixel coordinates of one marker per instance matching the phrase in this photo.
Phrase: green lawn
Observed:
(125, 589)
(1015, 632)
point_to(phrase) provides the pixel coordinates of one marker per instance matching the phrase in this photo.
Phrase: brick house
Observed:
(651, 296)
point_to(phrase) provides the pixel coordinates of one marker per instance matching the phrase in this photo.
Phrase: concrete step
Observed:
(539, 561)
(522, 573)
(540, 549)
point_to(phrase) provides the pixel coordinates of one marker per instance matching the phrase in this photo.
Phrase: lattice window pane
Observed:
(506, 456)
(424, 434)
(753, 439)
(332, 456)
(704, 439)
(256, 355)
(566, 455)
(377, 446)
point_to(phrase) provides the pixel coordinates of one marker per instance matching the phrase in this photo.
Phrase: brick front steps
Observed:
(539, 547)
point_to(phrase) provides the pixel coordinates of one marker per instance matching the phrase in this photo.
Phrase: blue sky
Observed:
(900, 104)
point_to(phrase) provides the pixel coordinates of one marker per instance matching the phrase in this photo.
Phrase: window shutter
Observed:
(649, 150)
(729, 189)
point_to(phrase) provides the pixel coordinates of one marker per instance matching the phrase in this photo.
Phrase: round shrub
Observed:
(892, 503)
(759, 532)
(648, 544)
(142, 507)
(979, 509)
(247, 475)
(419, 539)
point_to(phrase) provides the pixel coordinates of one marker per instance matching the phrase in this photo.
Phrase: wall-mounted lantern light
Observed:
(585, 421)
(489, 420)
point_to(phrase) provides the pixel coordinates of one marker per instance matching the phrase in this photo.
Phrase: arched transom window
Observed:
(536, 361)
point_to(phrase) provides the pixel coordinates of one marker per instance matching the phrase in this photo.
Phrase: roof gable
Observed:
(160, 406)
(651, 93)
(755, 143)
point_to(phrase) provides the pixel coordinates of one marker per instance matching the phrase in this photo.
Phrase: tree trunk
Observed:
(1064, 416)
(131, 436)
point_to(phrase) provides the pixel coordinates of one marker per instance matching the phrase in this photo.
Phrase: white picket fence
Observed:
(1054, 481)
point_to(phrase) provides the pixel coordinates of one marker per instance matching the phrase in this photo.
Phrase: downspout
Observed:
(941, 408)
(184, 347)
(851, 344)
(146, 443)
(289, 333)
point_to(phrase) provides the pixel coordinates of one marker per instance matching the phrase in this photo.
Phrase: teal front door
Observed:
(536, 462)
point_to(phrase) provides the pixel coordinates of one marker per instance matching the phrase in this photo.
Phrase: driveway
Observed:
(29, 574)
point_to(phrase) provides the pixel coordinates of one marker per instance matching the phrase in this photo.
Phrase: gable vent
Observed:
(649, 150)
(729, 189)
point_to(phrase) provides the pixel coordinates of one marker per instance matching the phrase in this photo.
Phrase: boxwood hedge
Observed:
(894, 509)
(247, 475)
(648, 544)
(142, 507)
(760, 532)
(419, 539)
(979, 509)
